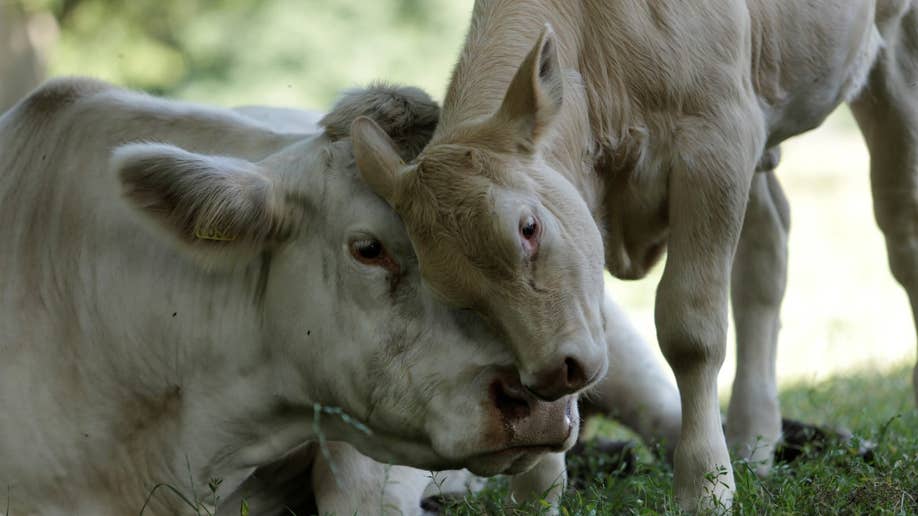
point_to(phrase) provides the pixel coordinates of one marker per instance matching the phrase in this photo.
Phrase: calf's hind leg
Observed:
(757, 288)
(887, 113)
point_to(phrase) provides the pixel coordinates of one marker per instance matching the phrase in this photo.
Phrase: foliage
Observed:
(280, 52)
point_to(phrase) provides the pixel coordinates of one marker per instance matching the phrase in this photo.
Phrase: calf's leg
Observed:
(635, 391)
(757, 289)
(281, 487)
(887, 113)
(545, 481)
(346, 482)
(714, 160)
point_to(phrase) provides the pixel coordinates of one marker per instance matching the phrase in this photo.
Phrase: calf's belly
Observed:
(803, 69)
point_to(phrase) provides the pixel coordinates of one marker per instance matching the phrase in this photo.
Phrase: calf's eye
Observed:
(530, 234)
(529, 227)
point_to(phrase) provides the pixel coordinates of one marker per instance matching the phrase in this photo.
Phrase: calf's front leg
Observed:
(708, 189)
(346, 482)
(545, 481)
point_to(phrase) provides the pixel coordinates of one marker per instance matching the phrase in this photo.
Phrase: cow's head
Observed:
(346, 315)
(497, 230)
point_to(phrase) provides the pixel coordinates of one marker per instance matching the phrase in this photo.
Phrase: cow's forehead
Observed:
(320, 164)
(313, 165)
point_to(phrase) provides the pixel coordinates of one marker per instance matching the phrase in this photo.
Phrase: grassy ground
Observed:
(875, 404)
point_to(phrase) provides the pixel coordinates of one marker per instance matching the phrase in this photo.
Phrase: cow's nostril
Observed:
(511, 400)
(652, 256)
(574, 376)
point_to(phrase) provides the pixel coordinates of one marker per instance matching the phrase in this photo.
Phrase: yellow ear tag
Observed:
(213, 234)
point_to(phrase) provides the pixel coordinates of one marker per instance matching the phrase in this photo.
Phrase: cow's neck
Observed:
(234, 419)
(258, 424)
(205, 389)
(247, 405)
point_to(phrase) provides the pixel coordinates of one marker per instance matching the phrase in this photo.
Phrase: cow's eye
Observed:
(370, 251)
(367, 249)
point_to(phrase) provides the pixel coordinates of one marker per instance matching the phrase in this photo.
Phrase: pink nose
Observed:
(568, 378)
(529, 420)
(520, 419)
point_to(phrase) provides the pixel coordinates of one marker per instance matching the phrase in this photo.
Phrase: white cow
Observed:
(185, 294)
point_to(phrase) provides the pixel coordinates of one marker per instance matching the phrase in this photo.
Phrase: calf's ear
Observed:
(377, 160)
(222, 210)
(535, 94)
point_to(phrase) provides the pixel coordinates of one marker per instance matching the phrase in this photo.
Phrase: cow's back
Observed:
(40, 209)
(91, 301)
(59, 202)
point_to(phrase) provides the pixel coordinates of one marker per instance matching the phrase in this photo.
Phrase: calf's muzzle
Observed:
(570, 377)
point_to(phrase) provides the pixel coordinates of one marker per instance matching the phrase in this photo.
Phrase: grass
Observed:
(875, 405)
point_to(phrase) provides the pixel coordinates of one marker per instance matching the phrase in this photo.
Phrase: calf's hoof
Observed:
(803, 439)
(435, 504)
(703, 475)
(599, 458)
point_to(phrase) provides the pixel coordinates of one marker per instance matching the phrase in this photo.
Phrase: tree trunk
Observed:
(21, 68)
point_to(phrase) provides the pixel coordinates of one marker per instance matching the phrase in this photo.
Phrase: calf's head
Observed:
(343, 305)
(499, 231)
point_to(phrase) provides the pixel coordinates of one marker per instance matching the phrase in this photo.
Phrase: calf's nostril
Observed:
(510, 400)
(567, 378)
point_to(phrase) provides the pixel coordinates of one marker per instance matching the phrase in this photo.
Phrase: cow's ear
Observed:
(534, 96)
(225, 211)
(407, 115)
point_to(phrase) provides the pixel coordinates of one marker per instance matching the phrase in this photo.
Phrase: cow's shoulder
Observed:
(56, 95)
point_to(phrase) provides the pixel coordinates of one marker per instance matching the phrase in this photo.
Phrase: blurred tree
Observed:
(289, 52)
(20, 62)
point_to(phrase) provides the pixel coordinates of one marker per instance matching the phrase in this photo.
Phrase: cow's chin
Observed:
(510, 447)
(511, 461)
(485, 453)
